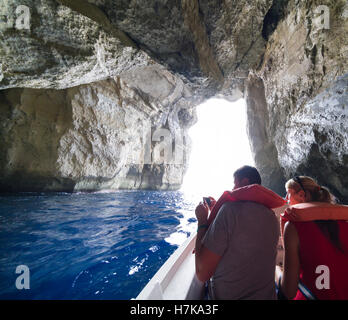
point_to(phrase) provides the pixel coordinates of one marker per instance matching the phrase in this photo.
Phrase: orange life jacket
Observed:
(254, 193)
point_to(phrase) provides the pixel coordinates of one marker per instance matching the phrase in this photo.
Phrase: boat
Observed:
(176, 279)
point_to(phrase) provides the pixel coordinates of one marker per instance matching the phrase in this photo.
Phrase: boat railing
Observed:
(176, 279)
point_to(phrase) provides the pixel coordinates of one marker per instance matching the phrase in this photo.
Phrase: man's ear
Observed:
(245, 182)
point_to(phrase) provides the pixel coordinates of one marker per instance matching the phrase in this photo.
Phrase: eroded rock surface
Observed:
(79, 83)
(317, 143)
(96, 136)
(210, 44)
(261, 142)
(304, 68)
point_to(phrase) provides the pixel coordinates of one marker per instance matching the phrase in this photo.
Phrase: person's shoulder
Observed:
(290, 233)
(243, 207)
(228, 209)
(230, 206)
(247, 205)
(290, 226)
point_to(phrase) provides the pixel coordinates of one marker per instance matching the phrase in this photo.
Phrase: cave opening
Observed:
(220, 145)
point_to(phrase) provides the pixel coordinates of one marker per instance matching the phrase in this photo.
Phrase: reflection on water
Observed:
(185, 228)
(104, 245)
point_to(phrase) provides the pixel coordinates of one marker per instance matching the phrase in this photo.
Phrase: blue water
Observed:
(89, 245)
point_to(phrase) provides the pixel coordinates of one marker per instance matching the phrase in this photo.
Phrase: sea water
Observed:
(103, 245)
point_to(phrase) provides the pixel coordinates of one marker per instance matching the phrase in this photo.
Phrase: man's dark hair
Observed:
(248, 172)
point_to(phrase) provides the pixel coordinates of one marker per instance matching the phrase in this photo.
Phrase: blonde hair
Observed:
(314, 192)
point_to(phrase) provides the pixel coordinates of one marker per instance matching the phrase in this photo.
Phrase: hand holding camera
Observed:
(210, 201)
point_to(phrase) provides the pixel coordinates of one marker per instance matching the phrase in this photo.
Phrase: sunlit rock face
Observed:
(262, 144)
(104, 135)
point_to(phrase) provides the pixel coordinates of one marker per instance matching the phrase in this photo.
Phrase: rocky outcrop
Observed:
(104, 135)
(81, 78)
(89, 64)
(317, 139)
(210, 44)
(261, 142)
(56, 47)
(304, 69)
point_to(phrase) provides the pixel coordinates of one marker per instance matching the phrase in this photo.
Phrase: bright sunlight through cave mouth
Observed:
(220, 145)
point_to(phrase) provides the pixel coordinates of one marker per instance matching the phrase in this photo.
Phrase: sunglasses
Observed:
(298, 180)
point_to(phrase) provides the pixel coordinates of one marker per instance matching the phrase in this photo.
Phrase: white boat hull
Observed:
(176, 279)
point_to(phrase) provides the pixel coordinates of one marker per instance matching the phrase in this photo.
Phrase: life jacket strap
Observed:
(306, 292)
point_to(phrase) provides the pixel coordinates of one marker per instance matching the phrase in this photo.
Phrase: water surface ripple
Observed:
(89, 245)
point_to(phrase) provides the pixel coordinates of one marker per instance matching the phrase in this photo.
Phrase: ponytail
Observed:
(321, 194)
(328, 227)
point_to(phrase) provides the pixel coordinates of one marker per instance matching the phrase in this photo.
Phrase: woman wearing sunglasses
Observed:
(316, 252)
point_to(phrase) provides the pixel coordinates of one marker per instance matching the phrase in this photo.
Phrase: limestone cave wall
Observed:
(304, 74)
(81, 79)
(96, 136)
